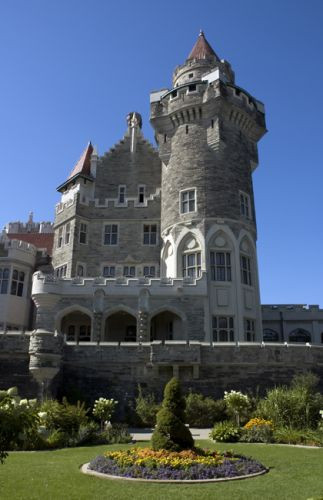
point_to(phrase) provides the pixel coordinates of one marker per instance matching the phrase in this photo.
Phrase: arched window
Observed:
(270, 335)
(80, 270)
(189, 253)
(299, 335)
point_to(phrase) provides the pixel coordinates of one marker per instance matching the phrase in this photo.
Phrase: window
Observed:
(186, 129)
(141, 194)
(129, 271)
(188, 201)
(192, 264)
(192, 88)
(191, 75)
(299, 335)
(17, 282)
(109, 271)
(70, 333)
(122, 195)
(249, 330)
(4, 279)
(245, 210)
(60, 237)
(149, 271)
(111, 234)
(220, 266)
(223, 328)
(150, 234)
(67, 233)
(85, 333)
(83, 233)
(270, 335)
(80, 270)
(61, 271)
(174, 94)
(245, 270)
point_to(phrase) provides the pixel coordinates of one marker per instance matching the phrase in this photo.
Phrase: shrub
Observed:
(225, 432)
(171, 432)
(103, 410)
(146, 408)
(57, 439)
(19, 422)
(289, 435)
(203, 411)
(257, 434)
(295, 407)
(63, 416)
(237, 404)
(117, 433)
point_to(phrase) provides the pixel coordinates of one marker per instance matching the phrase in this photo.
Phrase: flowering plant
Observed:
(257, 422)
(237, 404)
(103, 409)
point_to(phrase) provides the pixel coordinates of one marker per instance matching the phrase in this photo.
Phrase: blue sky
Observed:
(71, 70)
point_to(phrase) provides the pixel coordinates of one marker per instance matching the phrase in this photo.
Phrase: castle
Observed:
(154, 263)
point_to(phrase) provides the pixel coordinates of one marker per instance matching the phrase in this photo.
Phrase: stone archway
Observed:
(77, 326)
(299, 336)
(120, 326)
(166, 325)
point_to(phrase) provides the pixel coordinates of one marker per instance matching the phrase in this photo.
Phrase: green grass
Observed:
(295, 473)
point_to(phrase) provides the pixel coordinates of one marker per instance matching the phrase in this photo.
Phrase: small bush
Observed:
(117, 433)
(203, 411)
(225, 432)
(146, 409)
(257, 434)
(171, 432)
(57, 439)
(64, 416)
(288, 435)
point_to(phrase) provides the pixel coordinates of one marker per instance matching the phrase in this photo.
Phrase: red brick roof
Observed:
(40, 240)
(202, 49)
(83, 166)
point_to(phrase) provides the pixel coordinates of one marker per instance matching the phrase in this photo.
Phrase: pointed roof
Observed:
(202, 49)
(83, 166)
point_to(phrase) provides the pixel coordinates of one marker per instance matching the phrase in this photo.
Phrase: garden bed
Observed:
(196, 465)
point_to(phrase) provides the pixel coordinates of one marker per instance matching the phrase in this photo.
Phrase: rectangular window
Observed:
(220, 266)
(141, 194)
(129, 271)
(80, 270)
(60, 237)
(223, 328)
(109, 271)
(122, 195)
(249, 327)
(17, 283)
(85, 333)
(83, 233)
(192, 265)
(61, 271)
(192, 88)
(149, 271)
(67, 233)
(188, 201)
(4, 279)
(245, 209)
(150, 234)
(111, 234)
(245, 270)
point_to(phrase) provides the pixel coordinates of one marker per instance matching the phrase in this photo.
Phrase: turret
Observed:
(207, 129)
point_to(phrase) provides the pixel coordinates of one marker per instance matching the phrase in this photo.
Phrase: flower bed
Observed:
(197, 464)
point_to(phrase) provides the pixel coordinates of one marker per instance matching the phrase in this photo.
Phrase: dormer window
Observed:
(122, 195)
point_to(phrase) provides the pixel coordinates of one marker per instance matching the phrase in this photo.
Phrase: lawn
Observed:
(295, 473)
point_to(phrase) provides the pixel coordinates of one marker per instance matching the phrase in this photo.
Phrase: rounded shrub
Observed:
(203, 411)
(171, 432)
(226, 432)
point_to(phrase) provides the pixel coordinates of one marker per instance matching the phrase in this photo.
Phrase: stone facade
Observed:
(154, 262)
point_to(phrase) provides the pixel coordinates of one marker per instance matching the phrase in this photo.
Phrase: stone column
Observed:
(45, 350)
(97, 326)
(143, 334)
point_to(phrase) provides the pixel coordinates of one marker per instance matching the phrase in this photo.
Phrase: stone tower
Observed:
(207, 129)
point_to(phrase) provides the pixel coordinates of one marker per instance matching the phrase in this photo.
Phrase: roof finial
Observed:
(201, 32)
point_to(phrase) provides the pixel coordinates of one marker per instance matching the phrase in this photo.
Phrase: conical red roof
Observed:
(202, 49)
(83, 166)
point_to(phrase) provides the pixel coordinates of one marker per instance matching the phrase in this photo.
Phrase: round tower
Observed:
(207, 129)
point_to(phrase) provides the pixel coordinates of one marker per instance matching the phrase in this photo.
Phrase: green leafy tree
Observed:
(171, 432)
(238, 404)
(103, 410)
(146, 408)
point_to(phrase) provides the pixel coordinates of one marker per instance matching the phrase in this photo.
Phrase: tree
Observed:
(171, 432)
